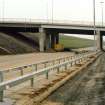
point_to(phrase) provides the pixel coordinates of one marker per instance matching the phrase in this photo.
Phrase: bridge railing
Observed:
(11, 83)
(47, 21)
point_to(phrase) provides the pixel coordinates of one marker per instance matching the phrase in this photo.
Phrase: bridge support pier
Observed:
(57, 39)
(48, 41)
(54, 39)
(42, 39)
(99, 40)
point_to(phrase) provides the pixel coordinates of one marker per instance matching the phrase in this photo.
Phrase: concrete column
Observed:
(42, 39)
(52, 40)
(48, 41)
(57, 39)
(99, 40)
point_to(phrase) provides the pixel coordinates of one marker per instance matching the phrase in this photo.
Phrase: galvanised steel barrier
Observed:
(35, 65)
(11, 83)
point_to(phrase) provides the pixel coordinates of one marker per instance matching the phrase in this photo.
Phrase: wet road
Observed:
(87, 88)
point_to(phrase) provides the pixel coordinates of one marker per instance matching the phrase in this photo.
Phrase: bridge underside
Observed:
(50, 36)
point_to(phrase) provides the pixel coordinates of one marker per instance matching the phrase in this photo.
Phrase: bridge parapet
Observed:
(46, 21)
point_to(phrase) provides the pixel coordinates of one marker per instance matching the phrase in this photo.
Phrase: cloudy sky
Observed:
(71, 10)
(42, 9)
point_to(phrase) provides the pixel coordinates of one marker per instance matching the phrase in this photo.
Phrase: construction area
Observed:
(54, 55)
(47, 81)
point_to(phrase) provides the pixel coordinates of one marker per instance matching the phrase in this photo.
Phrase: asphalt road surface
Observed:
(87, 88)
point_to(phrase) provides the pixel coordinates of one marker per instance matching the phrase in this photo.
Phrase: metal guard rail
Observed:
(40, 62)
(37, 63)
(10, 83)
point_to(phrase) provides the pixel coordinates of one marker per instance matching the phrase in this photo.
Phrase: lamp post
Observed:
(94, 19)
(102, 10)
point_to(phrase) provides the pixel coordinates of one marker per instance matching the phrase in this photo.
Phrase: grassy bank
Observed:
(74, 42)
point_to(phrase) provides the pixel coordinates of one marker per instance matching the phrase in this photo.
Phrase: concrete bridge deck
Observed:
(47, 25)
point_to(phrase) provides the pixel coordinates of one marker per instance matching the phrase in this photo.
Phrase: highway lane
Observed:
(87, 88)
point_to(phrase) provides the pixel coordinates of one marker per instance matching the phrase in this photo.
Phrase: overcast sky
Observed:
(75, 10)
(79, 10)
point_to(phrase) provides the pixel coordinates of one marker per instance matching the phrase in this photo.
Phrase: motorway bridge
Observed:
(49, 32)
